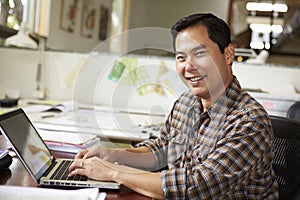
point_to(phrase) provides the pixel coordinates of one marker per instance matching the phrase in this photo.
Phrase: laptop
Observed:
(36, 156)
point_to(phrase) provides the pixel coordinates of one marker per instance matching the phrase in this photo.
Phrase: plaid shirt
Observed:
(223, 153)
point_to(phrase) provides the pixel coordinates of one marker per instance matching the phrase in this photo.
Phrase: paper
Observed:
(101, 132)
(66, 137)
(282, 89)
(119, 125)
(34, 193)
(173, 86)
(132, 125)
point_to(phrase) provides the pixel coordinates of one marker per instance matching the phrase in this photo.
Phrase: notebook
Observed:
(36, 156)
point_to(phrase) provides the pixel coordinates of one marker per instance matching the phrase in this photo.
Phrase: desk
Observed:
(116, 124)
(18, 176)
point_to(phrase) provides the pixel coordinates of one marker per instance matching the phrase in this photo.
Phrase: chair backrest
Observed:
(294, 111)
(287, 156)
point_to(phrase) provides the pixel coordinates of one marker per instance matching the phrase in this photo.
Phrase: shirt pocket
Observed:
(177, 145)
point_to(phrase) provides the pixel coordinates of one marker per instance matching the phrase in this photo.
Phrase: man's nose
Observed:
(189, 64)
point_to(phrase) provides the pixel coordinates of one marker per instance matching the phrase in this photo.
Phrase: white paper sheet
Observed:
(34, 193)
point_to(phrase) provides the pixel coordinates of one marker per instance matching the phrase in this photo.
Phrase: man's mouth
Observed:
(197, 78)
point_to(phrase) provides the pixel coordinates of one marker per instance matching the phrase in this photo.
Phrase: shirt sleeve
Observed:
(243, 152)
(158, 146)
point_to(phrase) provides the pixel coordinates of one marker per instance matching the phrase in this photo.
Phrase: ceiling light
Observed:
(266, 28)
(277, 7)
(261, 28)
(277, 28)
(257, 45)
(280, 7)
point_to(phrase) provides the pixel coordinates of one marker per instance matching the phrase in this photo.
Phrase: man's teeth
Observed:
(196, 78)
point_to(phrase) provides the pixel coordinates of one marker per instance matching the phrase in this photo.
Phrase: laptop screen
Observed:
(27, 143)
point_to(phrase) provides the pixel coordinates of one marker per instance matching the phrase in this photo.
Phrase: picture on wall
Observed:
(88, 18)
(104, 23)
(68, 14)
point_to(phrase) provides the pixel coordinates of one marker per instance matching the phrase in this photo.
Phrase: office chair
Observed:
(286, 162)
(294, 111)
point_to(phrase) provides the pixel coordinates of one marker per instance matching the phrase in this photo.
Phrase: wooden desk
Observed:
(17, 175)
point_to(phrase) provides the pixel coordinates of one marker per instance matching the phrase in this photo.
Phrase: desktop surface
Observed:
(17, 175)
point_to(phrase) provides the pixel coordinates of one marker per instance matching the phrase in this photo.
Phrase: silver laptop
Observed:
(37, 158)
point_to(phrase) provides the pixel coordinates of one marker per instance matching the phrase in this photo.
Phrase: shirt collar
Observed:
(225, 102)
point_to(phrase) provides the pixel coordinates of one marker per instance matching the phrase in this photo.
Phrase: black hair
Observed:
(217, 29)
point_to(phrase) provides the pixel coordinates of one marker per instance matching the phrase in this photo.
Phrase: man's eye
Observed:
(199, 53)
(179, 57)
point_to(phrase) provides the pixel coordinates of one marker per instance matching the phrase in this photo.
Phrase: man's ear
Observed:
(229, 53)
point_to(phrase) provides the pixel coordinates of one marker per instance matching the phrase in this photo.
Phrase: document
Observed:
(35, 193)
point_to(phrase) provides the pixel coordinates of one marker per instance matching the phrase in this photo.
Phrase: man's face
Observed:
(200, 64)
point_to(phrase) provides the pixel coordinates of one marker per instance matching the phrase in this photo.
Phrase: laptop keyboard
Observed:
(62, 172)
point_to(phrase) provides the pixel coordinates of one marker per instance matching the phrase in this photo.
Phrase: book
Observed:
(62, 107)
(68, 142)
(51, 107)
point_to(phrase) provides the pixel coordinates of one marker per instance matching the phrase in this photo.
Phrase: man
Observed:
(216, 142)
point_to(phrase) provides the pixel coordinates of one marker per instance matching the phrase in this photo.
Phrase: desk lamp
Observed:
(21, 39)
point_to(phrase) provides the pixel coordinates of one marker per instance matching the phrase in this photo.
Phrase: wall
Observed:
(84, 77)
(157, 13)
(143, 13)
(279, 85)
(161, 15)
(276, 79)
(60, 39)
(18, 71)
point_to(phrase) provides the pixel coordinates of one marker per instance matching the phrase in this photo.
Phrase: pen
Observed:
(47, 116)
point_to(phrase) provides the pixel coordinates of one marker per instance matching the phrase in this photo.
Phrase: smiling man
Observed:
(202, 65)
(216, 143)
